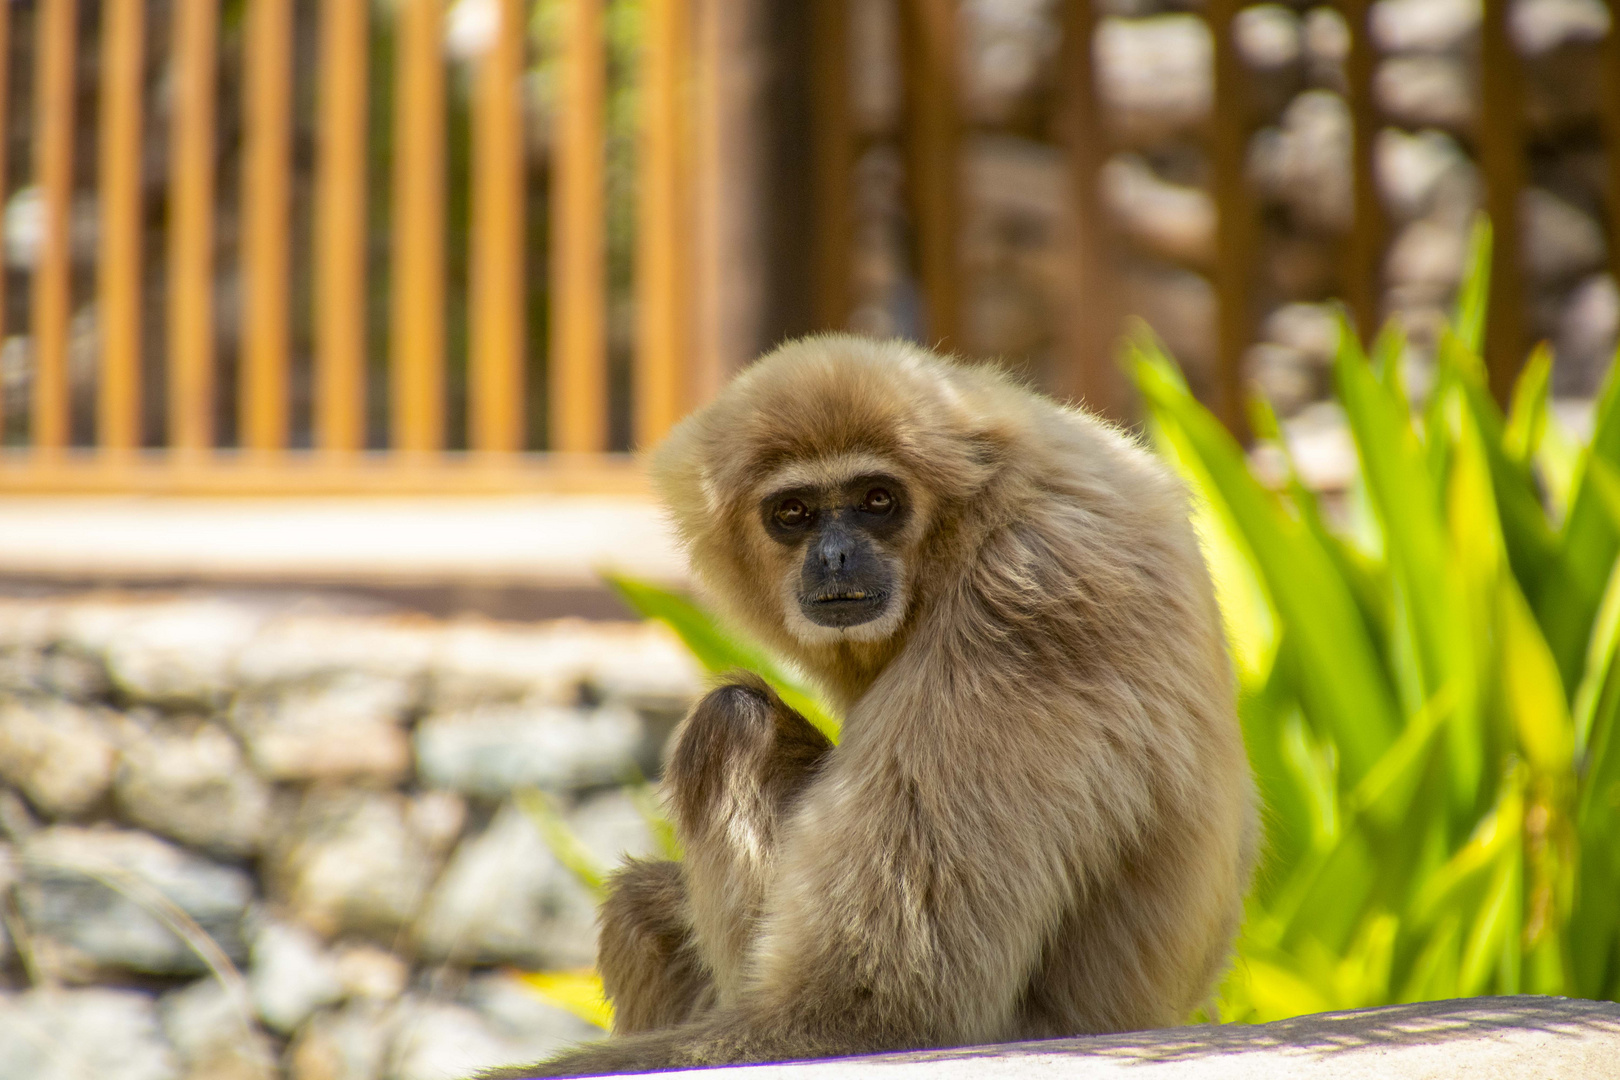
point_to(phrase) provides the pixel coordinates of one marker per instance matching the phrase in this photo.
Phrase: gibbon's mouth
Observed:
(844, 607)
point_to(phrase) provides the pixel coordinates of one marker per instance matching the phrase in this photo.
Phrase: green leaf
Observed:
(721, 650)
(1469, 319)
(1341, 680)
(1590, 542)
(1393, 462)
(1527, 412)
(1533, 691)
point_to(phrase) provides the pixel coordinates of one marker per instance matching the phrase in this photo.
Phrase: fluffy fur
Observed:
(1039, 820)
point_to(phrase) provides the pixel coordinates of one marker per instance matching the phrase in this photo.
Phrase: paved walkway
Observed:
(546, 541)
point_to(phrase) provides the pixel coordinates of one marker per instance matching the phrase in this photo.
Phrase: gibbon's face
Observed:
(839, 545)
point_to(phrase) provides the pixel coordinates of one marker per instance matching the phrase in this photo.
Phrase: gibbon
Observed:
(1039, 820)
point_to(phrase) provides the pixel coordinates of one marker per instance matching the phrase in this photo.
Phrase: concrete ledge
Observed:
(1503, 1038)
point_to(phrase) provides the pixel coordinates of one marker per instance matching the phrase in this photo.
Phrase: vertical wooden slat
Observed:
(834, 143)
(5, 171)
(191, 226)
(1091, 321)
(1610, 108)
(932, 137)
(118, 279)
(416, 374)
(340, 228)
(266, 215)
(578, 383)
(1501, 158)
(495, 368)
(1368, 227)
(662, 268)
(53, 172)
(1236, 228)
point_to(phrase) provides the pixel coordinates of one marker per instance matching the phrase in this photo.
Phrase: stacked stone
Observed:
(240, 840)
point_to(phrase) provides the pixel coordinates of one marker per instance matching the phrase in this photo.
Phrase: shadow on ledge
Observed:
(1485, 1038)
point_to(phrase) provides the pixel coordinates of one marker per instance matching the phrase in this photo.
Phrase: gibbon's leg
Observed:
(650, 967)
(738, 764)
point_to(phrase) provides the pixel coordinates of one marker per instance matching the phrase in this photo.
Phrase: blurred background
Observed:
(328, 329)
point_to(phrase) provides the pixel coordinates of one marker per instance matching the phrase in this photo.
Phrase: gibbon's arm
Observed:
(917, 884)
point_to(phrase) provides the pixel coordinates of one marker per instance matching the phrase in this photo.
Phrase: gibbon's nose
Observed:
(834, 549)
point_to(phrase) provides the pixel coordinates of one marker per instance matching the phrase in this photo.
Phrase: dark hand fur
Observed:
(1039, 821)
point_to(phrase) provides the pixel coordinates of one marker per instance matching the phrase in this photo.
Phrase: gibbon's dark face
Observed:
(849, 574)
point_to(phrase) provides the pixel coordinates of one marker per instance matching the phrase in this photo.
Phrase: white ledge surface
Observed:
(1501, 1038)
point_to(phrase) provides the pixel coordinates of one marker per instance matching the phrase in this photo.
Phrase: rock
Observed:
(497, 899)
(1431, 26)
(504, 898)
(293, 649)
(68, 898)
(1267, 36)
(1305, 163)
(480, 663)
(191, 783)
(182, 652)
(350, 1043)
(1428, 254)
(1008, 43)
(79, 1034)
(1588, 331)
(1560, 241)
(435, 1040)
(350, 861)
(1425, 91)
(59, 754)
(1326, 40)
(1156, 76)
(1174, 221)
(215, 1035)
(365, 971)
(291, 974)
(1411, 168)
(492, 750)
(1540, 26)
(350, 726)
(26, 630)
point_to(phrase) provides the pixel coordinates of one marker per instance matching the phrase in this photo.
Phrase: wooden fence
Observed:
(665, 377)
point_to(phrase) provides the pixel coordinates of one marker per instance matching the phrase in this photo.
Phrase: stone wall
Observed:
(242, 839)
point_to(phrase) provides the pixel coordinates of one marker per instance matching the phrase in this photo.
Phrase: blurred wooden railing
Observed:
(415, 457)
(499, 452)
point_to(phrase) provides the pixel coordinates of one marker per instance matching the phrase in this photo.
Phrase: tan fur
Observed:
(1039, 820)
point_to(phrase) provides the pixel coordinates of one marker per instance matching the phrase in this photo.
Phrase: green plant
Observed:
(1427, 681)
(1427, 688)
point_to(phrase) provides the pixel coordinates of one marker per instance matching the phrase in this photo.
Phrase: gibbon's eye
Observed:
(878, 501)
(792, 512)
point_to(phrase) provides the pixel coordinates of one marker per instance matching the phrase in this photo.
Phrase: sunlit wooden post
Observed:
(834, 142)
(118, 278)
(1610, 108)
(340, 229)
(266, 207)
(5, 80)
(663, 269)
(416, 360)
(191, 226)
(578, 375)
(1236, 237)
(933, 134)
(495, 370)
(53, 172)
(1501, 159)
(1091, 321)
(1368, 228)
